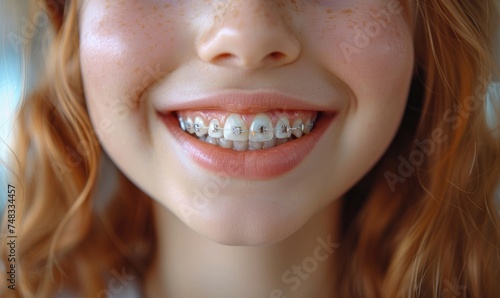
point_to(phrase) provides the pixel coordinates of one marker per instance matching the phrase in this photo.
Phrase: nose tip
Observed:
(250, 42)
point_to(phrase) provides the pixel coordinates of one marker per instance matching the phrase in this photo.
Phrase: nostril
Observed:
(223, 58)
(228, 58)
(277, 55)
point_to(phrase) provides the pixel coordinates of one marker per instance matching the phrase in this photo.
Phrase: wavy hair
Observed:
(63, 239)
(422, 223)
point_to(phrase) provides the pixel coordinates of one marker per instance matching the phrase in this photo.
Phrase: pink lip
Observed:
(256, 165)
(244, 102)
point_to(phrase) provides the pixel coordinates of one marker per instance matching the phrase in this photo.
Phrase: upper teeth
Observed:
(283, 128)
(214, 130)
(261, 129)
(235, 129)
(200, 126)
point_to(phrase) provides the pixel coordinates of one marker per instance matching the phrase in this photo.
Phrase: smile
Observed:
(243, 132)
(248, 139)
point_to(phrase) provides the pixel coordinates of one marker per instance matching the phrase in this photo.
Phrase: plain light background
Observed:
(18, 26)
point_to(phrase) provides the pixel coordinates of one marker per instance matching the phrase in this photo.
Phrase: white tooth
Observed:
(307, 128)
(200, 126)
(225, 143)
(240, 145)
(235, 129)
(297, 125)
(255, 145)
(189, 125)
(203, 138)
(214, 129)
(315, 117)
(211, 140)
(281, 141)
(183, 125)
(283, 128)
(261, 129)
(269, 144)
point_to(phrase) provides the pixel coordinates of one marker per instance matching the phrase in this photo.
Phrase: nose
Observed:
(250, 34)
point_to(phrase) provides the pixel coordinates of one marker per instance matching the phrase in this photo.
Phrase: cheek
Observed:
(382, 63)
(373, 59)
(123, 50)
(370, 49)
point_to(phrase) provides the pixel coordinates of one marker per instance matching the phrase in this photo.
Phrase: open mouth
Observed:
(246, 135)
(242, 132)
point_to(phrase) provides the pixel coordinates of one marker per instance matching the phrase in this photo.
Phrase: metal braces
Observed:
(237, 130)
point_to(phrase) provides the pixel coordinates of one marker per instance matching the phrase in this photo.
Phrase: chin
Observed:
(248, 222)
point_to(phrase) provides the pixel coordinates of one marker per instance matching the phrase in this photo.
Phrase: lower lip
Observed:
(254, 165)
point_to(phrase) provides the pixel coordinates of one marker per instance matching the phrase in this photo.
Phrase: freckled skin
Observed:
(136, 53)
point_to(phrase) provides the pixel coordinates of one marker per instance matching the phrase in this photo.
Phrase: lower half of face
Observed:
(245, 118)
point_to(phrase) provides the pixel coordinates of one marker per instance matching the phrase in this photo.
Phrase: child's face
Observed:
(351, 61)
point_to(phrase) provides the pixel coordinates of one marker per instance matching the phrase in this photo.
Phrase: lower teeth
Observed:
(244, 145)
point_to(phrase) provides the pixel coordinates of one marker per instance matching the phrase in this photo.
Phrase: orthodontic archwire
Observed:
(237, 130)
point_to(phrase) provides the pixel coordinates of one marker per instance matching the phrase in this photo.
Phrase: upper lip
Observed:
(244, 102)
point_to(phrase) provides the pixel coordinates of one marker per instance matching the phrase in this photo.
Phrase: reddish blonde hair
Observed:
(429, 234)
